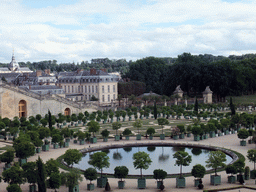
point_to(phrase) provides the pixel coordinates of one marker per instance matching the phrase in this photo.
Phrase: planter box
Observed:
(75, 141)
(158, 184)
(76, 125)
(127, 137)
(105, 139)
(67, 140)
(101, 182)
(55, 146)
(212, 134)
(74, 189)
(32, 188)
(69, 126)
(162, 136)
(175, 137)
(188, 134)
(117, 137)
(81, 142)
(180, 182)
(121, 184)
(150, 137)
(219, 134)
(226, 132)
(196, 137)
(181, 136)
(196, 182)
(22, 161)
(249, 141)
(93, 140)
(215, 179)
(66, 144)
(38, 149)
(253, 174)
(138, 137)
(232, 179)
(90, 187)
(141, 183)
(239, 176)
(45, 147)
(243, 143)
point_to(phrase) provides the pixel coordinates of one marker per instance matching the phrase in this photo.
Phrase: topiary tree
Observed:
(183, 159)
(181, 128)
(198, 171)
(7, 156)
(121, 172)
(90, 174)
(105, 133)
(159, 174)
(99, 160)
(137, 124)
(116, 126)
(231, 169)
(93, 127)
(127, 132)
(243, 134)
(215, 160)
(162, 122)
(251, 155)
(72, 156)
(13, 188)
(151, 131)
(71, 178)
(141, 161)
(14, 175)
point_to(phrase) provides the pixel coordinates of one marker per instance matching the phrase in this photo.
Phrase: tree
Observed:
(50, 120)
(93, 126)
(90, 174)
(121, 172)
(41, 175)
(71, 178)
(251, 155)
(198, 171)
(51, 166)
(196, 106)
(159, 174)
(14, 175)
(243, 134)
(162, 122)
(183, 159)
(29, 172)
(105, 133)
(116, 126)
(99, 160)
(137, 124)
(23, 149)
(231, 169)
(141, 161)
(72, 156)
(54, 181)
(215, 160)
(232, 107)
(7, 156)
(151, 131)
(127, 132)
(13, 188)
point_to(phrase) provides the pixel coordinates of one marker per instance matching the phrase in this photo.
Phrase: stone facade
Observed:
(207, 95)
(18, 102)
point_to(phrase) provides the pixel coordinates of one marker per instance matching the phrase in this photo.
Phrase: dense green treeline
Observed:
(225, 77)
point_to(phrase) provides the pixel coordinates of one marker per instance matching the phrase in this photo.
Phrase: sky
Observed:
(81, 30)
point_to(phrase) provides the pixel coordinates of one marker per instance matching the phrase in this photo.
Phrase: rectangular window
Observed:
(89, 87)
(103, 89)
(82, 88)
(85, 89)
(85, 97)
(114, 88)
(108, 98)
(103, 99)
(96, 89)
(69, 89)
(92, 88)
(114, 97)
(78, 89)
(72, 89)
(108, 88)
(65, 88)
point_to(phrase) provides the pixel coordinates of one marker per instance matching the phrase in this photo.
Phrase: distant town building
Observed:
(83, 85)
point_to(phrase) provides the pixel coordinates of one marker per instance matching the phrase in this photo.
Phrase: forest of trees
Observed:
(226, 76)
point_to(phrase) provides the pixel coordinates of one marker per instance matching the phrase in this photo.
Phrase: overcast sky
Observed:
(77, 30)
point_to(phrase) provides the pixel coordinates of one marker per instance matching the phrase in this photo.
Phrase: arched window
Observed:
(67, 112)
(22, 108)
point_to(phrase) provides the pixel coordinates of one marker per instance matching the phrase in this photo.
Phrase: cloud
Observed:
(123, 29)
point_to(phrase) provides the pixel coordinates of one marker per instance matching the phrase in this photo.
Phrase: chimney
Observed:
(104, 70)
(29, 87)
(47, 71)
(38, 73)
(92, 71)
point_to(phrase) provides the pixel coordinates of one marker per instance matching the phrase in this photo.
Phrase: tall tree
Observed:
(50, 120)
(41, 175)
(232, 107)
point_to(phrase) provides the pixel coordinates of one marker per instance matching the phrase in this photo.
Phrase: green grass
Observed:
(245, 99)
(6, 148)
